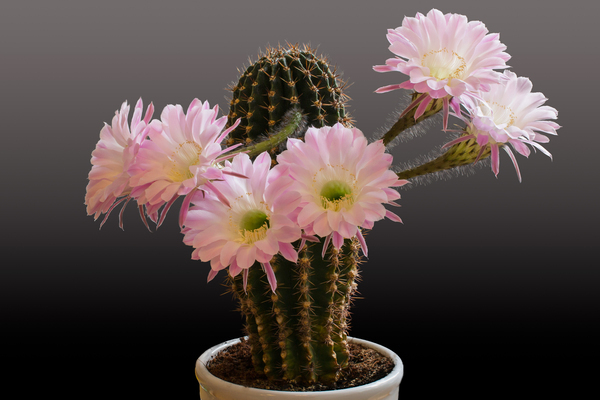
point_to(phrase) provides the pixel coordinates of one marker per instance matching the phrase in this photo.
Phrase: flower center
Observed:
(336, 195)
(186, 155)
(444, 64)
(503, 114)
(254, 225)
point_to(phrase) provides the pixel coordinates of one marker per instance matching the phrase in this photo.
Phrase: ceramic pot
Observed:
(213, 388)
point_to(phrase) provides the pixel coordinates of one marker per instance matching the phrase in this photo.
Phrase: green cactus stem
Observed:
(463, 153)
(299, 332)
(284, 79)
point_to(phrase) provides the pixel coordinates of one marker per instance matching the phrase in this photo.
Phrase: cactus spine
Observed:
(300, 332)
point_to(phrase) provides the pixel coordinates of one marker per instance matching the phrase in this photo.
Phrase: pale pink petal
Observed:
(229, 250)
(495, 159)
(288, 252)
(270, 276)
(245, 279)
(234, 270)
(211, 275)
(326, 245)
(309, 213)
(338, 240)
(363, 243)
(321, 225)
(393, 216)
(514, 161)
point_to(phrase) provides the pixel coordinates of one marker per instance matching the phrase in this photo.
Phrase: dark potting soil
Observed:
(234, 364)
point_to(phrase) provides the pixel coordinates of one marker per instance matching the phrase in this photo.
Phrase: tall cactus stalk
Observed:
(299, 332)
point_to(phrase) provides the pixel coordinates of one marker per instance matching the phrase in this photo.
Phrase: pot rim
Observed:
(392, 379)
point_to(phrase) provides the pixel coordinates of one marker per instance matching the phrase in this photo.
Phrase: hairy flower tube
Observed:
(509, 113)
(445, 56)
(343, 182)
(181, 156)
(109, 180)
(253, 223)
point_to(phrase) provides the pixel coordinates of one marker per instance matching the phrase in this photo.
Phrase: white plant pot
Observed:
(213, 388)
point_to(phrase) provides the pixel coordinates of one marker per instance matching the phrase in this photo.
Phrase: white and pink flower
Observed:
(109, 179)
(509, 113)
(343, 182)
(251, 225)
(445, 56)
(181, 156)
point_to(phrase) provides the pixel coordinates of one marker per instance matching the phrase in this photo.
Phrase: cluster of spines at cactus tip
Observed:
(286, 78)
(299, 332)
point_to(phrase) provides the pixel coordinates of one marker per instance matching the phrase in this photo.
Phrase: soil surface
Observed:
(234, 364)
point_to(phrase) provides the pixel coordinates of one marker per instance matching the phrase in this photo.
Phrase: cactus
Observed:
(283, 79)
(299, 332)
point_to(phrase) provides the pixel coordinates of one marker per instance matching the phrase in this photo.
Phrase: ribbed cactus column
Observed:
(284, 79)
(300, 332)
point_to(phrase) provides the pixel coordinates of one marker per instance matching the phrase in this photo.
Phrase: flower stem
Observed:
(462, 153)
(292, 122)
(408, 120)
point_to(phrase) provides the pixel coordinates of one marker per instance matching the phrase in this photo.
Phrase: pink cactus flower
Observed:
(181, 156)
(252, 225)
(343, 181)
(444, 56)
(109, 180)
(509, 113)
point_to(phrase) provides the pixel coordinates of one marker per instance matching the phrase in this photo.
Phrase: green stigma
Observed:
(253, 220)
(335, 190)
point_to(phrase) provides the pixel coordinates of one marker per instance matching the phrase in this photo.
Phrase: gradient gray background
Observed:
(488, 280)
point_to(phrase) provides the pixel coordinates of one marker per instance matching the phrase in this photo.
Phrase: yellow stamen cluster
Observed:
(245, 215)
(338, 204)
(182, 158)
(444, 64)
(512, 117)
(335, 186)
(254, 235)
